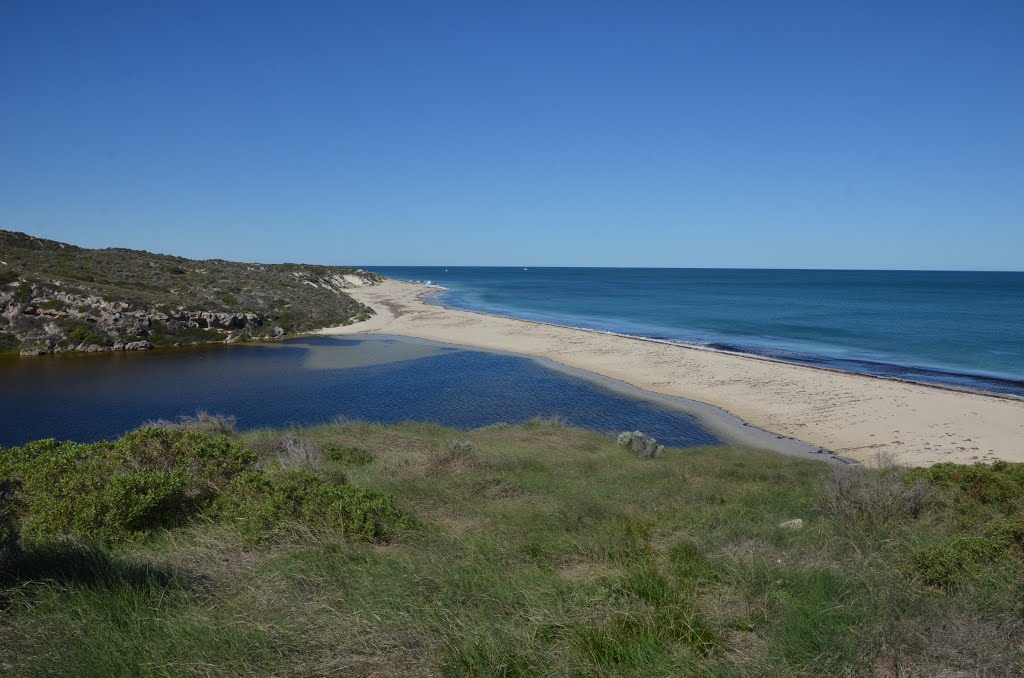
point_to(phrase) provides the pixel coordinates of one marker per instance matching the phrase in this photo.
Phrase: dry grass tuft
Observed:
(872, 495)
(498, 488)
(952, 647)
(200, 421)
(299, 453)
(454, 461)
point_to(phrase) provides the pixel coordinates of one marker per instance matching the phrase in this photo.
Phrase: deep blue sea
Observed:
(961, 329)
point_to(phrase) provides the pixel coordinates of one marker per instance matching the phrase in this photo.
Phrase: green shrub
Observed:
(979, 488)
(355, 456)
(158, 478)
(168, 334)
(948, 563)
(7, 276)
(945, 564)
(84, 334)
(258, 501)
(23, 293)
(54, 305)
(9, 343)
(149, 479)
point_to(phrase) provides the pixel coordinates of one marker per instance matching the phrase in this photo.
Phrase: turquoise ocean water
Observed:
(961, 329)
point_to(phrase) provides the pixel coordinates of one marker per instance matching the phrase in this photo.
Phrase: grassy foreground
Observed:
(529, 550)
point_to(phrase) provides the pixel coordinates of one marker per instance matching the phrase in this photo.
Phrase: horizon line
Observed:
(691, 268)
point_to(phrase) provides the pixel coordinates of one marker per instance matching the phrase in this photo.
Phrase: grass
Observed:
(532, 550)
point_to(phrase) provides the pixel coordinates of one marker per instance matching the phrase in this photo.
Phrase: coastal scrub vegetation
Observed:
(539, 549)
(56, 297)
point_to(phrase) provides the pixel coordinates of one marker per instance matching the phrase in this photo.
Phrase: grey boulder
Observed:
(643, 445)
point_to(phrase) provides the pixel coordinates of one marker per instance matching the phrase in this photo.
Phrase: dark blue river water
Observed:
(952, 328)
(311, 381)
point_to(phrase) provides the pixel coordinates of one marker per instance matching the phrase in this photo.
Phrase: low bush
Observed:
(151, 478)
(7, 276)
(256, 502)
(159, 478)
(354, 456)
(171, 333)
(460, 446)
(54, 305)
(872, 496)
(9, 343)
(23, 293)
(979, 489)
(84, 334)
(951, 561)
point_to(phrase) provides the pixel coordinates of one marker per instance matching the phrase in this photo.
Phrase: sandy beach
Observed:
(850, 415)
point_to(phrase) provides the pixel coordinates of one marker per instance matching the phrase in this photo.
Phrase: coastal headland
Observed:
(850, 415)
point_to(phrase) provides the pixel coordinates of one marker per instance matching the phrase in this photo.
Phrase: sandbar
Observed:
(850, 415)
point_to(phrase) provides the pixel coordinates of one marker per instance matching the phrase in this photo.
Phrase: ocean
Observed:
(960, 329)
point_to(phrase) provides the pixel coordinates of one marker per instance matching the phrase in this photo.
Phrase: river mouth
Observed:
(316, 380)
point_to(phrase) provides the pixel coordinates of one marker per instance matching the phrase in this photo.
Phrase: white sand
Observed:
(852, 415)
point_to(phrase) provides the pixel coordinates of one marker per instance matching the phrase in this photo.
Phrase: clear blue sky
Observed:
(750, 134)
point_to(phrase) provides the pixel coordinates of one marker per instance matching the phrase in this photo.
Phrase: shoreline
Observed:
(851, 415)
(730, 428)
(724, 424)
(709, 349)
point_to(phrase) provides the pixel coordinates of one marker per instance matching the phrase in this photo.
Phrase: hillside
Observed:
(56, 298)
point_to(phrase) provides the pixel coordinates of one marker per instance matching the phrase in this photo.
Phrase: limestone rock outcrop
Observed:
(641, 444)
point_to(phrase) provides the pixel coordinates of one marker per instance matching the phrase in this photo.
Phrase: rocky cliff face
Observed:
(58, 298)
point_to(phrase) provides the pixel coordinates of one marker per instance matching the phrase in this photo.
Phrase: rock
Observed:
(138, 346)
(795, 524)
(215, 320)
(642, 444)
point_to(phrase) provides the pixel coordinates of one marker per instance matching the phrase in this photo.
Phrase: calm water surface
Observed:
(310, 381)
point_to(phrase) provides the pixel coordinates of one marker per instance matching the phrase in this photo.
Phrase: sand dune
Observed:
(851, 415)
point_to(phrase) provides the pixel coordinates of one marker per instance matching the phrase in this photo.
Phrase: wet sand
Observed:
(850, 415)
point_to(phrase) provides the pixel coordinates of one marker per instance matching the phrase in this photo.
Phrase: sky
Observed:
(633, 133)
